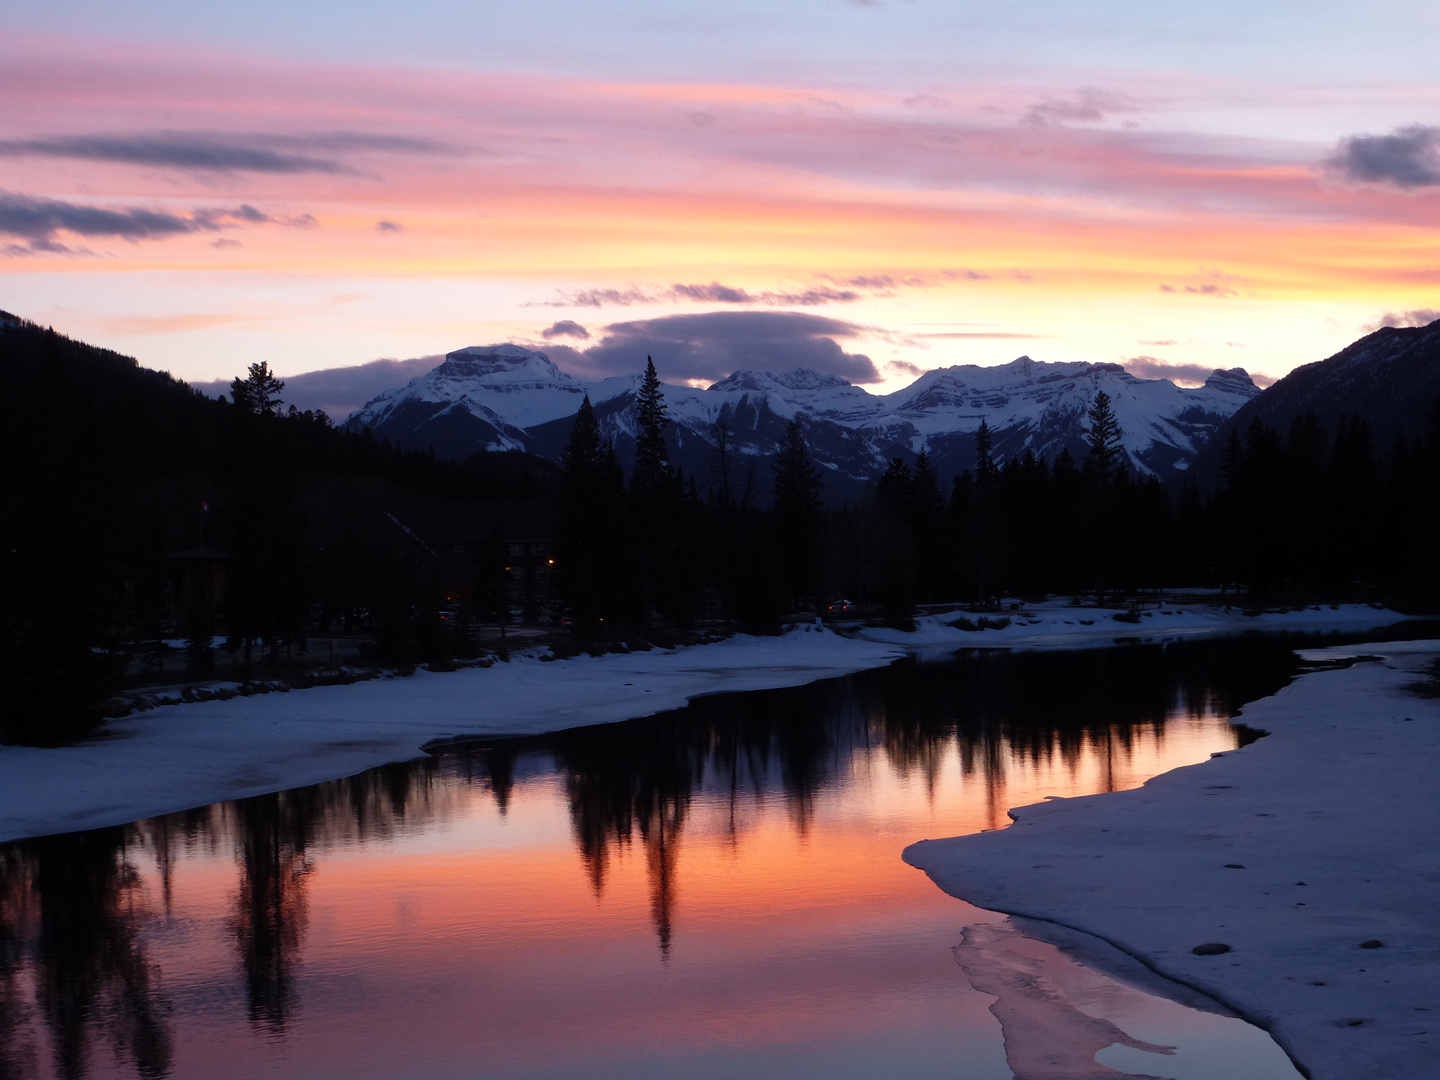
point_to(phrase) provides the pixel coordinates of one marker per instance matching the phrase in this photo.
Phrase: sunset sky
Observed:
(1173, 187)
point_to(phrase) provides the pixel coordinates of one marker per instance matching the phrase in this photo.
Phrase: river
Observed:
(710, 892)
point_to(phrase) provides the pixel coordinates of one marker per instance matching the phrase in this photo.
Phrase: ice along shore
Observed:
(1312, 856)
(182, 756)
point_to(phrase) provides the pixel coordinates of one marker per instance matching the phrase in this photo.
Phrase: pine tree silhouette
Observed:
(259, 392)
(652, 458)
(797, 513)
(590, 498)
(1103, 438)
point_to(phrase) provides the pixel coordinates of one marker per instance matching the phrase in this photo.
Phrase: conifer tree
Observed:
(797, 513)
(1104, 501)
(654, 496)
(925, 489)
(896, 488)
(652, 458)
(590, 494)
(1103, 439)
(983, 523)
(926, 527)
(984, 458)
(259, 392)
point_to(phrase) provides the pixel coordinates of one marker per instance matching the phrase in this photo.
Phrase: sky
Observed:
(872, 188)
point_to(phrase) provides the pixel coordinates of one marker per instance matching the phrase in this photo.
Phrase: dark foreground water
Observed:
(713, 892)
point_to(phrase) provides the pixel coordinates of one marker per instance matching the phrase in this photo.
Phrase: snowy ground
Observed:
(1061, 626)
(1295, 851)
(180, 756)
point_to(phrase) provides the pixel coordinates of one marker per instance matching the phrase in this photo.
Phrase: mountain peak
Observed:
(795, 379)
(505, 361)
(1235, 380)
(504, 396)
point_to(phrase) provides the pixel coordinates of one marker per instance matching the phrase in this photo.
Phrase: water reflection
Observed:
(995, 710)
(71, 911)
(270, 913)
(744, 824)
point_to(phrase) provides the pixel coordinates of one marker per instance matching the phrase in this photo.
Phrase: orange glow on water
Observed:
(575, 908)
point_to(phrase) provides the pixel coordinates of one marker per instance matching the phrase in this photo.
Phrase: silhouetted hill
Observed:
(1390, 379)
(110, 469)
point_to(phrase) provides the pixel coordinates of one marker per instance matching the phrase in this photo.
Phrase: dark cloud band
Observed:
(1409, 157)
(712, 345)
(172, 153)
(340, 391)
(38, 220)
(214, 152)
(565, 328)
(713, 293)
(1416, 317)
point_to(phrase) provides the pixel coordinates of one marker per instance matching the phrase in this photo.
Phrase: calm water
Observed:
(713, 892)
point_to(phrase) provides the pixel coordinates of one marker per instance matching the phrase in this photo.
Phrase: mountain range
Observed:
(505, 397)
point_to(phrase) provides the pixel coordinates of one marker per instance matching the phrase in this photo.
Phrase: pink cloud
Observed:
(613, 160)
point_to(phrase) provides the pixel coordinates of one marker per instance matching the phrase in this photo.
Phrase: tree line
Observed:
(1313, 515)
(111, 470)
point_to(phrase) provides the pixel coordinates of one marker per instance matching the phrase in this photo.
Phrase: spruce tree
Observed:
(984, 458)
(925, 492)
(982, 524)
(654, 496)
(926, 527)
(797, 513)
(259, 392)
(590, 494)
(1103, 439)
(895, 490)
(652, 458)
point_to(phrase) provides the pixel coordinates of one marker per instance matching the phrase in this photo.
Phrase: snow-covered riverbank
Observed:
(180, 756)
(1063, 626)
(1313, 854)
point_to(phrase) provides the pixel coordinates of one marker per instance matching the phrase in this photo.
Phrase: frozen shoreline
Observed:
(182, 756)
(1293, 851)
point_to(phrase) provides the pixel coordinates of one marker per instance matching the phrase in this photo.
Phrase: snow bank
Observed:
(1059, 625)
(181, 756)
(1313, 854)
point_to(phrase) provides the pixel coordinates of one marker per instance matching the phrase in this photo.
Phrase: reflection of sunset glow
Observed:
(736, 887)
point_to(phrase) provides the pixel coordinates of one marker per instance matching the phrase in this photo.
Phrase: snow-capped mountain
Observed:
(505, 397)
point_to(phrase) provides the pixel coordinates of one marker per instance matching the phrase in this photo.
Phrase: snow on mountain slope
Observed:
(499, 383)
(1042, 406)
(507, 397)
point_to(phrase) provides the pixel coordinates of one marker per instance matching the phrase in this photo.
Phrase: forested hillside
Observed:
(111, 468)
(121, 484)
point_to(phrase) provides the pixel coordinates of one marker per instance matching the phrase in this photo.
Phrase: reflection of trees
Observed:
(630, 778)
(72, 957)
(996, 710)
(78, 896)
(638, 778)
(17, 1047)
(1002, 708)
(72, 911)
(270, 909)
